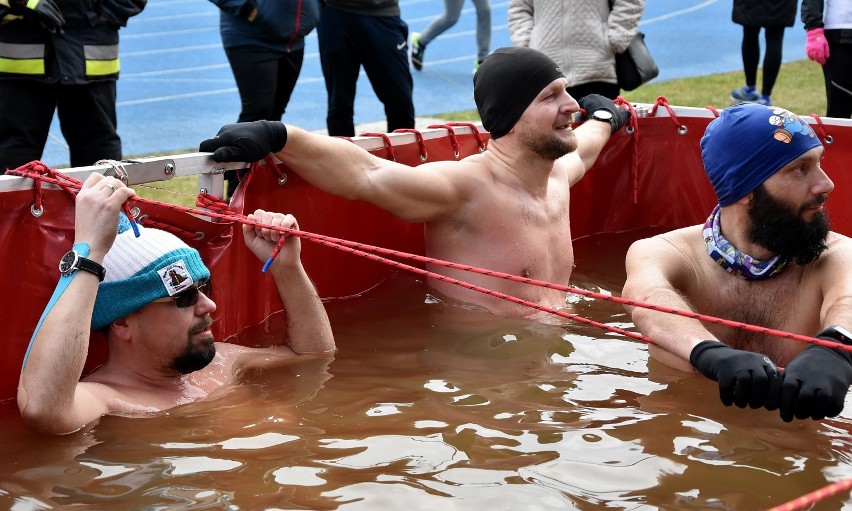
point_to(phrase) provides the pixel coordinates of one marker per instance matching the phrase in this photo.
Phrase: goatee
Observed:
(198, 354)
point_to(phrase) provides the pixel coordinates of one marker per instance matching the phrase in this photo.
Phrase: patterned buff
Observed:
(732, 260)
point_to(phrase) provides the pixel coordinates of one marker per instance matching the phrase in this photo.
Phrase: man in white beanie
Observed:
(147, 294)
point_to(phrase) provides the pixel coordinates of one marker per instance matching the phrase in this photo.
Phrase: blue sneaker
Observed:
(745, 93)
(765, 100)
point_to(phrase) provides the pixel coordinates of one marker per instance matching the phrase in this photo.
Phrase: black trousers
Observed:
(266, 80)
(379, 43)
(86, 116)
(838, 77)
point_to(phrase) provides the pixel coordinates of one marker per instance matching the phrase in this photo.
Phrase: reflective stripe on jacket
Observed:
(86, 49)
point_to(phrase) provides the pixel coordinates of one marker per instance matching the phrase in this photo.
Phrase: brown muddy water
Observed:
(428, 405)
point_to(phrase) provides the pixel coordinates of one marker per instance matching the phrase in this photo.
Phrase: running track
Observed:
(176, 87)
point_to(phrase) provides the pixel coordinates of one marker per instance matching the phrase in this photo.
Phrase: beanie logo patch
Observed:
(175, 277)
(787, 125)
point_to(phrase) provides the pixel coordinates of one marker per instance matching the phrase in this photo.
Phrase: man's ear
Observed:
(745, 201)
(120, 329)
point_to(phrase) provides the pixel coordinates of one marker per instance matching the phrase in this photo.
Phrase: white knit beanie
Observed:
(140, 270)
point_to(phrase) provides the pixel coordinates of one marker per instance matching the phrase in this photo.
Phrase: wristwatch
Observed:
(838, 333)
(75, 259)
(603, 116)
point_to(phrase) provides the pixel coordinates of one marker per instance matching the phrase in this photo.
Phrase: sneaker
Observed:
(765, 100)
(746, 93)
(417, 50)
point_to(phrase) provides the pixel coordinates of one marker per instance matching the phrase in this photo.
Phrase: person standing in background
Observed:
(265, 44)
(773, 16)
(60, 55)
(452, 11)
(582, 36)
(829, 26)
(371, 33)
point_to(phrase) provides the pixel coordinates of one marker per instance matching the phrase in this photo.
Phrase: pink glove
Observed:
(816, 46)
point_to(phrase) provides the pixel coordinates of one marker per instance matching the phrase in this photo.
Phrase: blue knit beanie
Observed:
(748, 143)
(140, 270)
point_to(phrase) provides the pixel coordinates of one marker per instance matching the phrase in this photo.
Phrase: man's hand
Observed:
(815, 383)
(816, 46)
(246, 141)
(595, 102)
(745, 378)
(96, 212)
(262, 241)
(46, 11)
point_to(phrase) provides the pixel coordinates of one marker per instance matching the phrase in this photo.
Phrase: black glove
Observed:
(246, 141)
(595, 102)
(815, 383)
(745, 378)
(47, 13)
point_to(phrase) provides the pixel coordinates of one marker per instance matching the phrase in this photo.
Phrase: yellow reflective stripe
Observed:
(31, 4)
(22, 66)
(101, 67)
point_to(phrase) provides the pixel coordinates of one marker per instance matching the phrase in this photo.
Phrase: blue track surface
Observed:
(176, 87)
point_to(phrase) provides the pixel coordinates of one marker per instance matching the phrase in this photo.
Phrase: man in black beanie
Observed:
(505, 209)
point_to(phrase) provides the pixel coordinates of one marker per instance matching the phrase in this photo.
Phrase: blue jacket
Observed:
(280, 25)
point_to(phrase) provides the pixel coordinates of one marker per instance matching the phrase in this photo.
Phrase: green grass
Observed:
(800, 88)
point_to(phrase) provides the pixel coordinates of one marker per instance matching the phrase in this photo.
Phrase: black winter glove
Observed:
(745, 378)
(246, 141)
(594, 102)
(46, 11)
(815, 383)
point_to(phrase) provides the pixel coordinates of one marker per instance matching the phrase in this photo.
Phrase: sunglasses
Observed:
(189, 296)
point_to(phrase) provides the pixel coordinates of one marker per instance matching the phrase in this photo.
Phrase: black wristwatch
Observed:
(603, 116)
(75, 259)
(838, 333)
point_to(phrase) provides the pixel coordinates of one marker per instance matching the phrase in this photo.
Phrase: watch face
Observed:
(602, 115)
(68, 262)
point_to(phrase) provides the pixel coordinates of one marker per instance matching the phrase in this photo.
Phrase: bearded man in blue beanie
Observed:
(150, 295)
(765, 256)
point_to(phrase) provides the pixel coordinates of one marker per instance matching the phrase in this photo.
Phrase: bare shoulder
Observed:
(681, 241)
(837, 254)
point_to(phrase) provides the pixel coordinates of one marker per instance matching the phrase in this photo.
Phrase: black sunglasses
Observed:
(189, 296)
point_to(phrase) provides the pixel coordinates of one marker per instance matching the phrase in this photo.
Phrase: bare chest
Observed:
(783, 302)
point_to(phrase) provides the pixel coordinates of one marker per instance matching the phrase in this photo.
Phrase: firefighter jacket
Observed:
(84, 50)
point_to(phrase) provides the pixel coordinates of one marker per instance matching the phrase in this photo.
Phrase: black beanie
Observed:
(506, 83)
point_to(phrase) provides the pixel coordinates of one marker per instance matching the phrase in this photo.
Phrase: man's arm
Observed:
(421, 194)
(658, 273)
(623, 23)
(592, 136)
(308, 328)
(817, 380)
(50, 397)
(521, 20)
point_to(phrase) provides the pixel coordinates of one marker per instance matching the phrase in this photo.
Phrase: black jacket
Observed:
(86, 50)
(764, 13)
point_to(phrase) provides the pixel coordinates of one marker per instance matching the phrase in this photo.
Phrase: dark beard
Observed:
(198, 354)
(547, 148)
(778, 227)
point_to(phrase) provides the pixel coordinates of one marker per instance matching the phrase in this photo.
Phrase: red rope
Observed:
(633, 124)
(815, 496)
(356, 247)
